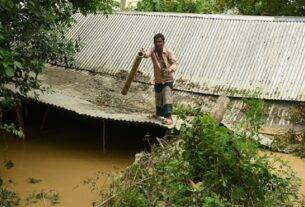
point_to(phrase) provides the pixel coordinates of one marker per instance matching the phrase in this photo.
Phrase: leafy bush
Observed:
(255, 115)
(205, 164)
(291, 142)
(187, 6)
(245, 7)
(32, 33)
(297, 114)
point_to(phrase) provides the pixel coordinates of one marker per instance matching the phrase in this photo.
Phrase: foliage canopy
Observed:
(32, 33)
(246, 7)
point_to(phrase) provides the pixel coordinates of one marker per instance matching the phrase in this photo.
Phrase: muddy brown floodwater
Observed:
(296, 163)
(63, 167)
(65, 154)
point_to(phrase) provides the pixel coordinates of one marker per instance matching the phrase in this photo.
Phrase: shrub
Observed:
(205, 164)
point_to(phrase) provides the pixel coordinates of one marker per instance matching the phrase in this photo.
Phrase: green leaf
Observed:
(9, 71)
(17, 64)
(238, 193)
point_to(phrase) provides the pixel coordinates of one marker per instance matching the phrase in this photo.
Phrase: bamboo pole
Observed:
(132, 73)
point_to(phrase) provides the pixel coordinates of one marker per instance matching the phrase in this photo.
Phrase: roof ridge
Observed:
(217, 16)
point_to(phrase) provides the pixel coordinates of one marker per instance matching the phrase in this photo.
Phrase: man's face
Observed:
(159, 43)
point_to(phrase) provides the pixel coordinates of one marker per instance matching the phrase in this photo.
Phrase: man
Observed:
(165, 64)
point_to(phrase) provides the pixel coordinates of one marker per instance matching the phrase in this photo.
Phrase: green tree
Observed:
(270, 7)
(188, 6)
(32, 33)
(246, 7)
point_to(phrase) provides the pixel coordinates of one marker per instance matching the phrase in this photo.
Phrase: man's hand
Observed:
(142, 51)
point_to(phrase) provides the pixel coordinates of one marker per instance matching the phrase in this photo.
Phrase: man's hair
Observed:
(159, 35)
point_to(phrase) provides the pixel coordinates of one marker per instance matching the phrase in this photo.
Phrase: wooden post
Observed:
(104, 138)
(44, 119)
(20, 119)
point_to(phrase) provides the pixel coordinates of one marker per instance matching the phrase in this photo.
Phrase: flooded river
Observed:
(63, 166)
(297, 164)
(65, 157)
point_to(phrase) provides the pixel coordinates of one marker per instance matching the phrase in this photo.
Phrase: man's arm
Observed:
(147, 53)
(172, 60)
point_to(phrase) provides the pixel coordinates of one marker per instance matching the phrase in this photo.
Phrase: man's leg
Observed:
(158, 99)
(167, 99)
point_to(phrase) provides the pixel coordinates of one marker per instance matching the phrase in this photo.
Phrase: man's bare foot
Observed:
(168, 121)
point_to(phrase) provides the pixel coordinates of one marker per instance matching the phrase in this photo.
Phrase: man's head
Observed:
(159, 42)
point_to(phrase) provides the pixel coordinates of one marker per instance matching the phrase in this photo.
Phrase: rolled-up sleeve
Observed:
(172, 60)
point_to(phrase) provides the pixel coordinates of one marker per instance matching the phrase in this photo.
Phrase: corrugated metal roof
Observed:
(277, 114)
(99, 96)
(217, 53)
(86, 108)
